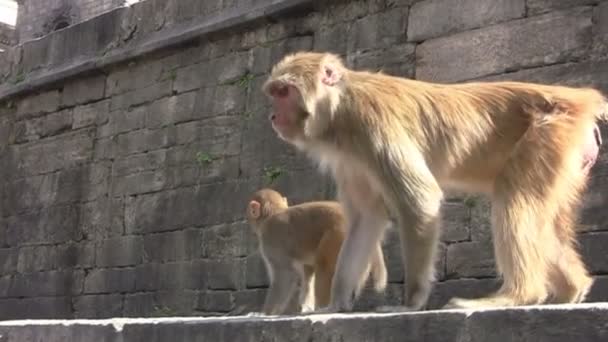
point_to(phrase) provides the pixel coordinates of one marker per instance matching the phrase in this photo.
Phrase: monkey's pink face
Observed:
(287, 116)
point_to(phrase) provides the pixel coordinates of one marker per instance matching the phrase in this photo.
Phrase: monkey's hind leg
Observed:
(541, 178)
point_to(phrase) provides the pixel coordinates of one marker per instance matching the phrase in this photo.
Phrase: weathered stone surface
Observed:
(9, 257)
(147, 213)
(225, 241)
(506, 47)
(48, 125)
(52, 154)
(175, 275)
(171, 110)
(98, 306)
(35, 308)
(216, 301)
(47, 226)
(43, 258)
(456, 221)
(227, 274)
(173, 246)
(540, 6)
(593, 248)
(51, 283)
(255, 270)
(45, 102)
(120, 251)
(434, 18)
(91, 114)
(83, 91)
(470, 260)
(397, 60)
(110, 280)
(378, 30)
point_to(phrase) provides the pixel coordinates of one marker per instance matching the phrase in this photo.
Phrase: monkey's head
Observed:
(265, 203)
(304, 89)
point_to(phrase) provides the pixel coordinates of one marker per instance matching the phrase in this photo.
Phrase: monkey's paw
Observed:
(464, 303)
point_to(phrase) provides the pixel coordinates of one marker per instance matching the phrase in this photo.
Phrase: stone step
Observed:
(577, 323)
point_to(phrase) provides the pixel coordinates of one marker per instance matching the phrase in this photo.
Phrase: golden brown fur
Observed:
(300, 242)
(395, 145)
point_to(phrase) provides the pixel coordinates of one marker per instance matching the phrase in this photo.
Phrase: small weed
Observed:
(203, 158)
(173, 75)
(271, 173)
(18, 79)
(163, 311)
(470, 202)
(245, 81)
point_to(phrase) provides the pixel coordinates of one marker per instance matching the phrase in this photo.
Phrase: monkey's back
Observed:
(300, 228)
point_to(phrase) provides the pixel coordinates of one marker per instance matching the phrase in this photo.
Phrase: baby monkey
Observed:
(299, 243)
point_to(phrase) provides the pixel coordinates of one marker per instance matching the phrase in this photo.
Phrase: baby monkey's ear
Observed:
(254, 209)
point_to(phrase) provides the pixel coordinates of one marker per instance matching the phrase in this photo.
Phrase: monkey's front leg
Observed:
(363, 236)
(282, 288)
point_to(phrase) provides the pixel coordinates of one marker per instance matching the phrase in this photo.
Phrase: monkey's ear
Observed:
(332, 74)
(254, 209)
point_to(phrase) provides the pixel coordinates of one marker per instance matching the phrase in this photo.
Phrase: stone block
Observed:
(593, 249)
(144, 140)
(147, 212)
(83, 91)
(51, 283)
(331, 39)
(120, 251)
(140, 162)
(506, 47)
(255, 271)
(191, 275)
(44, 258)
(91, 114)
(9, 260)
(51, 225)
(173, 246)
(470, 260)
(42, 127)
(134, 76)
(144, 182)
(434, 18)
(455, 222)
(110, 280)
(378, 30)
(536, 7)
(103, 218)
(175, 303)
(226, 274)
(246, 301)
(225, 241)
(33, 105)
(52, 154)
(98, 306)
(232, 68)
(171, 110)
(192, 77)
(216, 301)
(138, 304)
(397, 60)
(35, 308)
(220, 136)
(141, 95)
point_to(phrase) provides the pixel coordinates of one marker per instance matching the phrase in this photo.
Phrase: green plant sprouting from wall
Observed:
(272, 173)
(204, 158)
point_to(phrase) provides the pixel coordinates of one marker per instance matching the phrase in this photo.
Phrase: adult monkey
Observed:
(393, 145)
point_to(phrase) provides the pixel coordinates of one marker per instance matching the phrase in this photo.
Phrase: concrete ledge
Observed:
(579, 323)
(98, 57)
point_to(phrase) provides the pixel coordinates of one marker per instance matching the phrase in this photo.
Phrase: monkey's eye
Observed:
(280, 91)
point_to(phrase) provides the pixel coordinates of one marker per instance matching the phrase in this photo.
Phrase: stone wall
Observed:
(37, 18)
(7, 36)
(129, 143)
